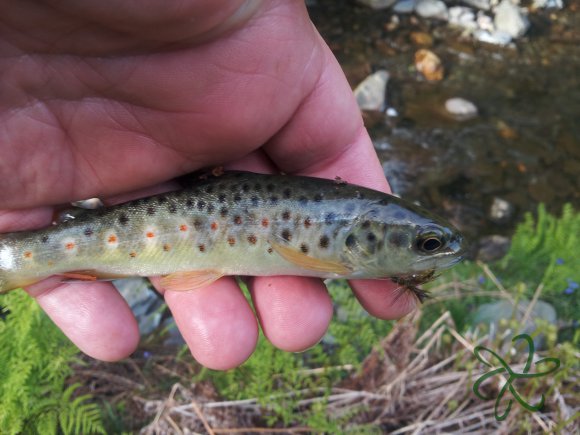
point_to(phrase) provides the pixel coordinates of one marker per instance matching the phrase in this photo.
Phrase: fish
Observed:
(239, 223)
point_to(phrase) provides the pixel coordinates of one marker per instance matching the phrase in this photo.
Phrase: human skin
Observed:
(112, 98)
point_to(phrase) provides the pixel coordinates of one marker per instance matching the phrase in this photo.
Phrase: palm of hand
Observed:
(97, 103)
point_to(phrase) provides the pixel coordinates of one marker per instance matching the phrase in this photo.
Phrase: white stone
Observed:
(431, 9)
(463, 17)
(404, 6)
(497, 37)
(484, 22)
(548, 4)
(510, 19)
(479, 4)
(370, 93)
(378, 4)
(461, 109)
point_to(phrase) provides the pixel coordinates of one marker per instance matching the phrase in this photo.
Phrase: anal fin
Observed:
(189, 280)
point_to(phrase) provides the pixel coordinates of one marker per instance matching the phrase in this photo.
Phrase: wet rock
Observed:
(548, 4)
(485, 22)
(493, 313)
(405, 6)
(377, 4)
(495, 38)
(429, 64)
(421, 38)
(510, 19)
(144, 302)
(460, 109)
(501, 211)
(431, 9)
(493, 248)
(370, 94)
(479, 4)
(462, 16)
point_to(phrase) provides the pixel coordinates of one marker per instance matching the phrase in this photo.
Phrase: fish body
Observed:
(238, 223)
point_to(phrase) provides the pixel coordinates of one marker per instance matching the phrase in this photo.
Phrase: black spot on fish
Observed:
(287, 193)
(252, 239)
(286, 215)
(329, 218)
(286, 235)
(150, 210)
(197, 224)
(237, 198)
(323, 242)
(123, 219)
(189, 203)
(398, 239)
(224, 212)
(255, 201)
(238, 220)
(222, 198)
(304, 248)
(44, 239)
(161, 199)
(350, 241)
(318, 197)
(371, 237)
(210, 208)
(246, 187)
(257, 187)
(366, 225)
(209, 189)
(303, 200)
(88, 232)
(201, 247)
(274, 199)
(200, 205)
(270, 187)
(172, 208)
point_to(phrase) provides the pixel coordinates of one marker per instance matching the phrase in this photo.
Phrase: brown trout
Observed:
(239, 223)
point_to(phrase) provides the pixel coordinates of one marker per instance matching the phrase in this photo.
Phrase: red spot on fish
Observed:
(214, 226)
(252, 239)
(69, 246)
(307, 223)
(265, 222)
(150, 234)
(238, 220)
(133, 254)
(183, 227)
(112, 239)
(231, 241)
(28, 254)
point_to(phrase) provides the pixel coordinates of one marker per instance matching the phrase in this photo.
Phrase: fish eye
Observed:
(430, 241)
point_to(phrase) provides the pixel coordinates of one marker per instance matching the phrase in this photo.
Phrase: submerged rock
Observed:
(370, 94)
(429, 64)
(479, 4)
(548, 4)
(461, 109)
(377, 4)
(431, 9)
(510, 19)
(463, 17)
(405, 6)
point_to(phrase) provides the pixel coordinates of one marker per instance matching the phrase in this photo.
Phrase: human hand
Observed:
(106, 98)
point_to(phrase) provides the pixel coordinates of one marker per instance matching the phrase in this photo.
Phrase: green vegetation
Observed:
(35, 362)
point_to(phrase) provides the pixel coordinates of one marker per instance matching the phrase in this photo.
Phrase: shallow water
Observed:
(524, 147)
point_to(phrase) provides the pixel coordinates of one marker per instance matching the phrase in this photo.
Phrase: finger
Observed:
(216, 322)
(294, 312)
(383, 299)
(93, 316)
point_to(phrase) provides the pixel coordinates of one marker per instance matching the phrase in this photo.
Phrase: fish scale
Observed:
(238, 224)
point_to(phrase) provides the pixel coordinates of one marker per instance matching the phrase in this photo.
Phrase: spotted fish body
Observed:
(238, 223)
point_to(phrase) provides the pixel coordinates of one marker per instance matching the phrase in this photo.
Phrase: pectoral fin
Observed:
(304, 261)
(190, 280)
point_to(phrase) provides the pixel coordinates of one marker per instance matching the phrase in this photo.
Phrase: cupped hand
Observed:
(104, 98)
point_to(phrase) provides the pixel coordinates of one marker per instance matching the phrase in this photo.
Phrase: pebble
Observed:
(501, 211)
(431, 9)
(548, 4)
(496, 38)
(404, 6)
(461, 109)
(378, 4)
(463, 17)
(370, 94)
(510, 19)
(479, 4)
(429, 64)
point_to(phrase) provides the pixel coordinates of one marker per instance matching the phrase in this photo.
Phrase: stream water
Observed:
(522, 149)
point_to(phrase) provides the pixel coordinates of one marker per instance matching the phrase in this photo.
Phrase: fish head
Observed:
(397, 238)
